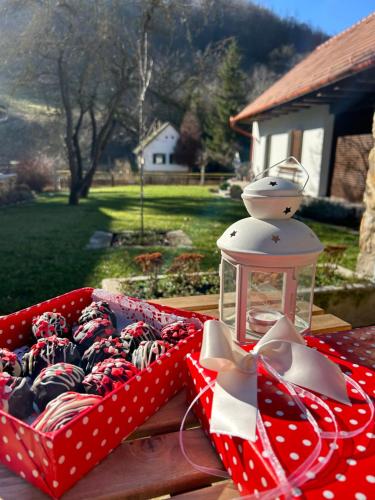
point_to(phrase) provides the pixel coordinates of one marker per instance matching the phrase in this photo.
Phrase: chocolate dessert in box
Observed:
(83, 406)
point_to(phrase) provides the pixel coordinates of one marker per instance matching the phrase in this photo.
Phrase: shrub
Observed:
(150, 264)
(37, 174)
(186, 263)
(235, 192)
(224, 186)
(20, 192)
(186, 266)
(16, 194)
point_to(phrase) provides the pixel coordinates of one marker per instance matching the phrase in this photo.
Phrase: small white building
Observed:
(321, 113)
(158, 150)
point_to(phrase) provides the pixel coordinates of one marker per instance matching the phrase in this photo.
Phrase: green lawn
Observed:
(42, 243)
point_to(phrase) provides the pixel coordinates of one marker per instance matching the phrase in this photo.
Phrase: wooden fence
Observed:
(106, 179)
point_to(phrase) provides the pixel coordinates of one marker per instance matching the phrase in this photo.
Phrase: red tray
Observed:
(54, 462)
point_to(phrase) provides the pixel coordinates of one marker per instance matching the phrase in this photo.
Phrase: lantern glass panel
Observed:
(265, 304)
(228, 291)
(305, 284)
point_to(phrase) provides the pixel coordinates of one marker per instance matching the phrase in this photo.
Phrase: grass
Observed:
(42, 243)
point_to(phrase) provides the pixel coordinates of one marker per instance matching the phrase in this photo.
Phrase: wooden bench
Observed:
(149, 463)
(321, 321)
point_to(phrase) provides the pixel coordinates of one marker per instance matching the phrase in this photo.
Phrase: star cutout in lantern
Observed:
(287, 210)
(273, 183)
(233, 233)
(275, 238)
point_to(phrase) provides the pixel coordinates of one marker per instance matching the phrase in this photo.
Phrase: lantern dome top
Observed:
(272, 198)
(272, 187)
(272, 237)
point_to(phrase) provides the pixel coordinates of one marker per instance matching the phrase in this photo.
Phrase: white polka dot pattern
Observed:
(292, 437)
(92, 436)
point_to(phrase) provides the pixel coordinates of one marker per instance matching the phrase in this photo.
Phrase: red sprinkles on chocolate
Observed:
(56, 379)
(48, 324)
(174, 332)
(135, 333)
(48, 351)
(5, 390)
(108, 375)
(96, 310)
(87, 334)
(9, 362)
(112, 347)
(149, 351)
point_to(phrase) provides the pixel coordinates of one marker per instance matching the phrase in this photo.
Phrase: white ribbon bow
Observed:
(234, 406)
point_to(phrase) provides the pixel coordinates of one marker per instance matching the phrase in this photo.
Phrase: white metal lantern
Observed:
(268, 262)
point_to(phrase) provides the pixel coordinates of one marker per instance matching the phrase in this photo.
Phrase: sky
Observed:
(331, 16)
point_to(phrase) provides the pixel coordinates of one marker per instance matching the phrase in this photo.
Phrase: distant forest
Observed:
(89, 52)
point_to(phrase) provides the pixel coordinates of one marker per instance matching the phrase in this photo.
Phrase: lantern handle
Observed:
(261, 174)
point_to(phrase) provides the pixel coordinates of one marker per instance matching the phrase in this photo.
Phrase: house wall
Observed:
(273, 140)
(350, 166)
(164, 143)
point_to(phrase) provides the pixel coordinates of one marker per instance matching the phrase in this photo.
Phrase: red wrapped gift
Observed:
(349, 471)
(54, 462)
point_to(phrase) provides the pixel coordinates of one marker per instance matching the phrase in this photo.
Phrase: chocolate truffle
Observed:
(9, 362)
(63, 409)
(56, 379)
(135, 333)
(96, 310)
(174, 332)
(16, 397)
(108, 375)
(47, 352)
(48, 324)
(90, 332)
(148, 351)
(112, 347)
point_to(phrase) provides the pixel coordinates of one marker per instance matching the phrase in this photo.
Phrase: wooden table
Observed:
(149, 463)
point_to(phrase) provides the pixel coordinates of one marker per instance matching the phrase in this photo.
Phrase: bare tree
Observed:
(145, 71)
(89, 61)
(76, 56)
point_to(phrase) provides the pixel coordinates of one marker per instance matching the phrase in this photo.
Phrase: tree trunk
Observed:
(203, 174)
(86, 185)
(74, 195)
(366, 258)
(75, 184)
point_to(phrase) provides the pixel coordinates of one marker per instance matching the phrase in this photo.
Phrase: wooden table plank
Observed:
(225, 490)
(167, 419)
(143, 468)
(328, 323)
(191, 303)
(316, 310)
(320, 323)
(204, 303)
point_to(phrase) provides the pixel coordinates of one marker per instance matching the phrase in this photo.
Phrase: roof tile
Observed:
(349, 52)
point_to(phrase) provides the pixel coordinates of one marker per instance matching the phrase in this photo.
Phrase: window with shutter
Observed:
(296, 137)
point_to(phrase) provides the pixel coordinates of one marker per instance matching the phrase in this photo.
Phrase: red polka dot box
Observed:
(348, 463)
(55, 461)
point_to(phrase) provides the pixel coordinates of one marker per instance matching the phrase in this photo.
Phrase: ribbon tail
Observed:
(234, 405)
(308, 368)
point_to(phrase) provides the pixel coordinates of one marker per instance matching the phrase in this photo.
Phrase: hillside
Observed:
(31, 127)
(268, 44)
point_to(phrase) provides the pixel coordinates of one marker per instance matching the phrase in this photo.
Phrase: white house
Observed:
(158, 150)
(321, 113)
